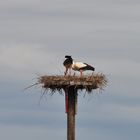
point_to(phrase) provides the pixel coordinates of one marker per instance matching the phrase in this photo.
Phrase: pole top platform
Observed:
(87, 82)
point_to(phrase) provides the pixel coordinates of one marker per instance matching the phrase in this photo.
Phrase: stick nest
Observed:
(87, 82)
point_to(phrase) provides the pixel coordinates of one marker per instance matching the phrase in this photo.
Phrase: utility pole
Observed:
(70, 85)
(71, 105)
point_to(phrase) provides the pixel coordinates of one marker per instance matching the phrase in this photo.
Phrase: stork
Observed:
(68, 64)
(76, 66)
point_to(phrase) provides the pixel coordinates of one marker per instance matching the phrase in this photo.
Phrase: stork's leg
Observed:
(69, 71)
(81, 73)
(65, 73)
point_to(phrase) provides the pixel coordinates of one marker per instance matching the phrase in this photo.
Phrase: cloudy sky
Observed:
(35, 35)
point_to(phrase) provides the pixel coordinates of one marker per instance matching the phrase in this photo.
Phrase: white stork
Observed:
(76, 66)
(68, 64)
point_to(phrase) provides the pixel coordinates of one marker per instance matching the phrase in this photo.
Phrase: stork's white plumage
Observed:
(80, 66)
(77, 66)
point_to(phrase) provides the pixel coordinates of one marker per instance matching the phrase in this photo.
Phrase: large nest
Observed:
(87, 82)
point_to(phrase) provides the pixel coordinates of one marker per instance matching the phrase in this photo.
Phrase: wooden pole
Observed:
(71, 111)
(71, 84)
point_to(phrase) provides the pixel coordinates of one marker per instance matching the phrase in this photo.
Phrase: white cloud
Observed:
(24, 56)
(22, 61)
(121, 113)
(17, 3)
(28, 133)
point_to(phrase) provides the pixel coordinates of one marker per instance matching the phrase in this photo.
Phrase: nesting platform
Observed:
(87, 82)
(70, 85)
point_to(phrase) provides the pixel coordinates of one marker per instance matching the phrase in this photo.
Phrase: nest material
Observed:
(87, 82)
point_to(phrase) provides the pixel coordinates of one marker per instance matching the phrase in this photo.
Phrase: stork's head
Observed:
(68, 56)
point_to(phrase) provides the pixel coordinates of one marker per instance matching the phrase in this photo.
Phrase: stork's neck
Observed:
(73, 64)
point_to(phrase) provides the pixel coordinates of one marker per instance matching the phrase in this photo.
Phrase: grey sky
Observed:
(34, 38)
